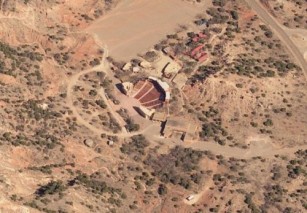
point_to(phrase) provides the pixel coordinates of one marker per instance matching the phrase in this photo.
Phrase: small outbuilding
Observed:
(127, 87)
(136, 69)
(127, 66)
(184, 126)
(110, 142)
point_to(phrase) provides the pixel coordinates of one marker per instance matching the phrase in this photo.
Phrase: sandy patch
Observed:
(86, 159)
(7, 79)
(53, 77)
(196, 197)
(299, 37)
(22, 157)
(136, 25)
(204, 193)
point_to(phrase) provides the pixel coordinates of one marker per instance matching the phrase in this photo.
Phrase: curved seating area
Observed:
(149, 94)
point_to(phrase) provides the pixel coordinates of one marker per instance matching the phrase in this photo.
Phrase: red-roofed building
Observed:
(196, 50)
(199, 54)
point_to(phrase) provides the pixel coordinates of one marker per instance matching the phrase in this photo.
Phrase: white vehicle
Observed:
(190, 197)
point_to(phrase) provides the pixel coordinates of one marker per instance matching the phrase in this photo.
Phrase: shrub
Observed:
(51, 188)
(162, 190)
(268, 122)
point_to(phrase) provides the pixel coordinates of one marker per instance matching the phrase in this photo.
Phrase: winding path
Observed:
(114, 114)
(151, 131)
(252, 151)
(73, 81)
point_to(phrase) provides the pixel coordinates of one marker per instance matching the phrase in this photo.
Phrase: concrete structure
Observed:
(110, 142)
(161, 64)
(136, 69)
(169, 51)
(159, 116)
(148, 93)
(146, 113)
(151, 93)
(171, 68)
(145, 64)
(127, 88)
(163, 86)
(186, 127)
(127, 66)
(180, 80)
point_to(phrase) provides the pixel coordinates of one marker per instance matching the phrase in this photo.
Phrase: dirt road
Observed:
(115, 115)
(73, 81)
(152, 131)
(259, 148)
(278, 30)
(253, 151)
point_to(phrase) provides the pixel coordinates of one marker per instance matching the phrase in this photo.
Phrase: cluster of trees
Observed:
(130, 126)
(150, 56)
(204, 72)
(274, 194)
(296, 167)
(51, 188)
(18, 62)
(12, 53)
(96, 186)
(218, 16)
(267, 32)
(33, 110)
(212, 127)
(61, 58)
(112, 124)
(101, 103)
(47, 169)
(250, 203)
(39, 139)
(99, 187)
(18, 140)
(136, 146)
(179, 167)
(219, 3)
(248, 66)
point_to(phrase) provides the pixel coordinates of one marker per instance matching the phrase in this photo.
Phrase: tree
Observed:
(162, 190)
(234, 15)
(268, 122)
(51, 188)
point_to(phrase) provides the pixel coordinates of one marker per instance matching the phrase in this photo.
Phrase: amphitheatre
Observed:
(153, 106)
(151, 92)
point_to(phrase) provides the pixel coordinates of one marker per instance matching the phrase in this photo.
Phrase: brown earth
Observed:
(135, 26)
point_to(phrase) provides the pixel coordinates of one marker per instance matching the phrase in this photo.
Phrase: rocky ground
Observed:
(64, 148)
